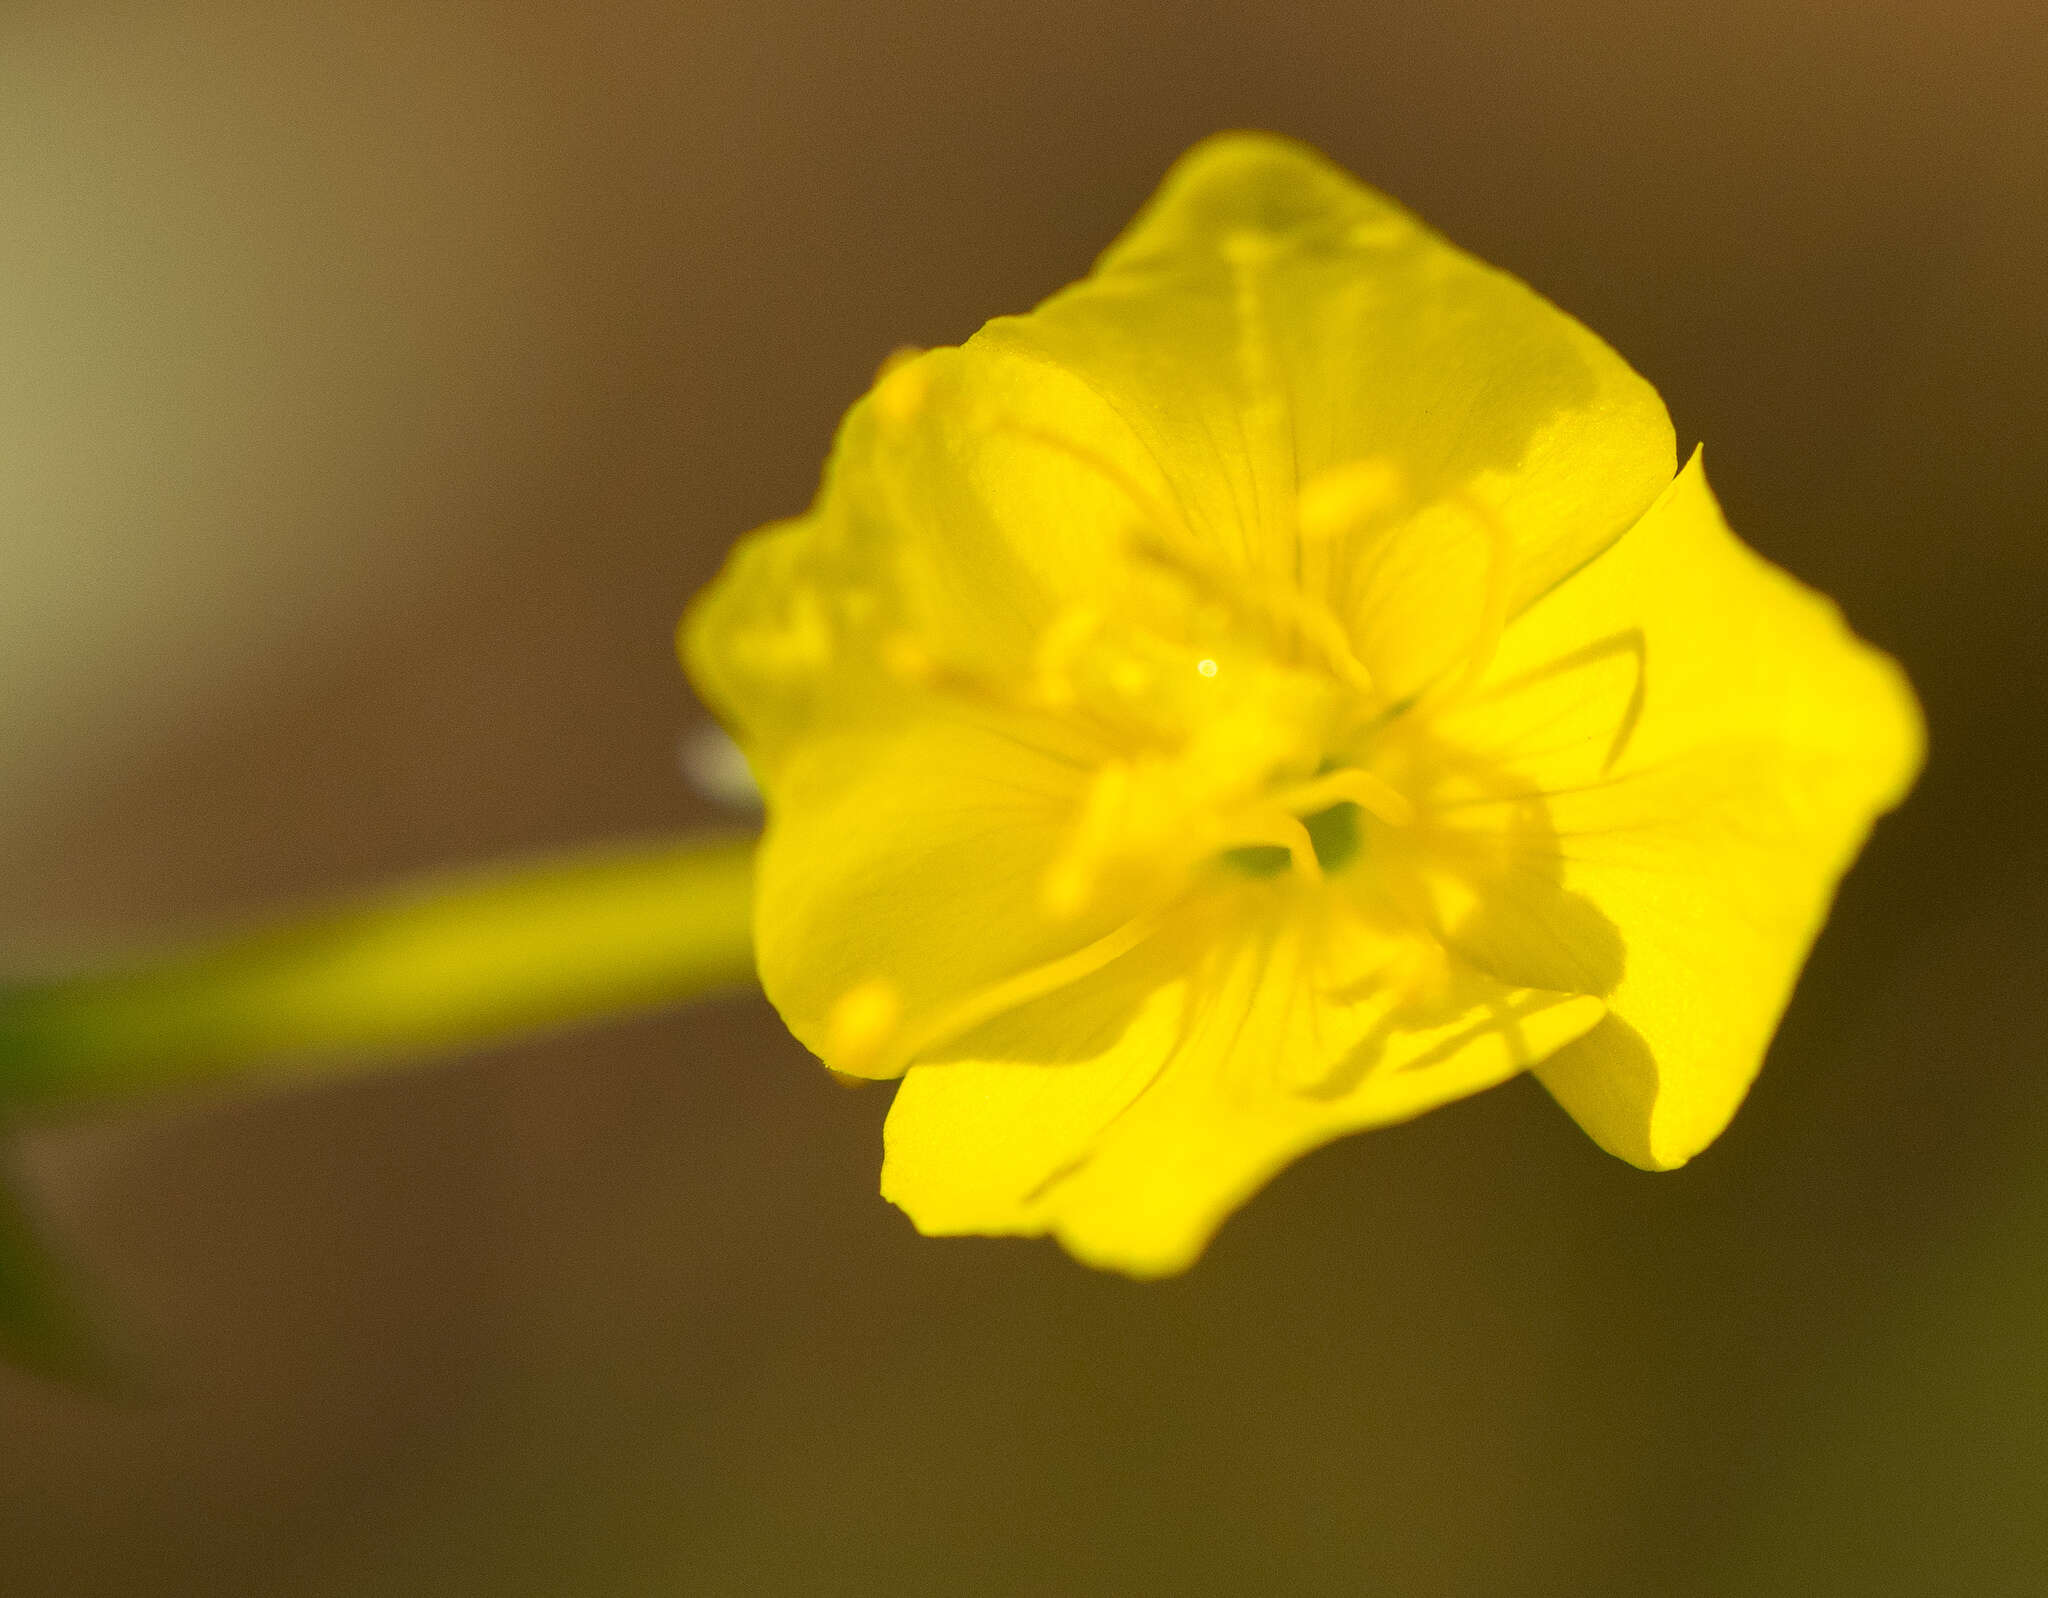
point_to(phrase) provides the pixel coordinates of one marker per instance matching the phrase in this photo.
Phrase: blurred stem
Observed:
(45, 1324)
(431, 968)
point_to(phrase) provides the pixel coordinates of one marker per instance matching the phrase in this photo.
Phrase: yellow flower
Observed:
(1274, 688)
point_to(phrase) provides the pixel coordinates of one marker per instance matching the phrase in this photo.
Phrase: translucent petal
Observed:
(973, 501)
(900, 874)
(1086, 609)
(1268, 321)
(1265, 317)
(1133, 1154)
(1712, 746)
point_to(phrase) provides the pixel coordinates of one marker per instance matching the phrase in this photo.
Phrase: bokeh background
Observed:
(377, 380)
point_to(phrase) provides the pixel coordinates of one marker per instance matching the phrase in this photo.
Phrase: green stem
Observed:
(432, 968)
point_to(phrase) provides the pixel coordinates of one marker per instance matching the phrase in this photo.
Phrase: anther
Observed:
(907, 660)
(901, 385)
(1069, 882)
(861, 1022)
(1057, 647)
(1346, 498)
(985, 1004)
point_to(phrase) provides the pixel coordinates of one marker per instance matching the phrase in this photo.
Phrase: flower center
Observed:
(1229, 733)
(1213, 750)
(1336, 835)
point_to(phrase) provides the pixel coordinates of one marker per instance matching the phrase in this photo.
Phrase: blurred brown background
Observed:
(377, 380)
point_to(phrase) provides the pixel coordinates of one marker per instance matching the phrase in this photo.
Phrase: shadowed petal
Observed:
(1268, 319)
(1711, 821)
(1135, 1156)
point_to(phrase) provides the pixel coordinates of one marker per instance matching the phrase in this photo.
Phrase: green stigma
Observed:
(1334, 833)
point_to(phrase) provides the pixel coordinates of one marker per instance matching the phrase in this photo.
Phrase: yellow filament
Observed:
(1345, 498)
(1285, 830)
(986, 1003)
(1172, 544)
(1248, 594)
(1336, 504)
(1150, 512)
(1493, 604)
(1493, 610)
(1372, 794)
(1070, 882)
(1057, 647)
(1324, 629)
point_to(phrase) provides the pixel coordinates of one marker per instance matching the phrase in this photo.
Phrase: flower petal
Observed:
(1268, 321)
(949, 532)
(899, 876)
(871, 655)
(1712, 745)
(877, 658)
(1135, 1156)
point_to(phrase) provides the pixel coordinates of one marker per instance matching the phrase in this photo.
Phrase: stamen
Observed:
(1283, 830)
(1324, 629)
(1150, 512)
(1247, 594)
(1070, 881)
(1374, 795)
(1164, 538)
(860, 1024)
(1493, 607)
(900, 388)
(1493, 604)
(1331, 512)
(986, 1003)
(1057, 647)
(1344, 499)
